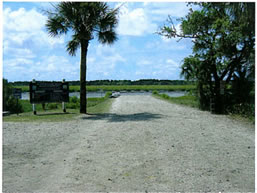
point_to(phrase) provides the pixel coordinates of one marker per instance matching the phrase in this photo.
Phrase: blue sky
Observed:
(30, 53)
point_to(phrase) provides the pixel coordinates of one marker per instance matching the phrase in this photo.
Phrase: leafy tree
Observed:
(86, 20)
(14, 105)
(224, 46)
(7, 91)
(9, 102)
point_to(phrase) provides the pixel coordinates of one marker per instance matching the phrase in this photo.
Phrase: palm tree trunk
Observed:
(83, 71)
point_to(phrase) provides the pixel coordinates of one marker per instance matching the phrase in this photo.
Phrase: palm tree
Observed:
(86, 20)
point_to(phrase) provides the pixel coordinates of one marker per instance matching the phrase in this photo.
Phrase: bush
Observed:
(52, 106)
(14, 105)
(9, 102)
(74, 99)
(108, 94)
(7, 92)
(72, 105)
(155, 92)
(165, 96)
(191, 93)
(245, 110)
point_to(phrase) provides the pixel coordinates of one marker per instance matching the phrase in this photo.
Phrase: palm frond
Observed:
(84, 19)
(56, 25)
(73, 45)
(106, 25)
(107, 37)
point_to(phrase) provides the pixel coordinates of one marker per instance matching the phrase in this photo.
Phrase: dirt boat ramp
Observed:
(143, 144)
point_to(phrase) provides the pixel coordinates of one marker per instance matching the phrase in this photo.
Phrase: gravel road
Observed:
(143, 144)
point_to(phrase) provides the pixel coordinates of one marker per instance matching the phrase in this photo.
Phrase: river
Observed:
(25, 95)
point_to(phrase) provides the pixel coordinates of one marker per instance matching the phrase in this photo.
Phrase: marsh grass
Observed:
(188, 100)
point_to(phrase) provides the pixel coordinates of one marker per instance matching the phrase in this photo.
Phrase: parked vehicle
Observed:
(115, 94)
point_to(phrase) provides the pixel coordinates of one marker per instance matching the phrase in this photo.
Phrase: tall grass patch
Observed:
(188, 100)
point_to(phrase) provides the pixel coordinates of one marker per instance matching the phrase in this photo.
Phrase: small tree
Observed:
(9, 102)
(7, 91)
(224, 41)
(85, 20)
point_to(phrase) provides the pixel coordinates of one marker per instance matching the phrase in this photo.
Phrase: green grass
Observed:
(48, 116)
(55, 113)
(126, 88)
(189, 100)
(102, 107)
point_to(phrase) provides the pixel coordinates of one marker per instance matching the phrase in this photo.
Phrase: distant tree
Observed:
(224, 48)
(85, 20)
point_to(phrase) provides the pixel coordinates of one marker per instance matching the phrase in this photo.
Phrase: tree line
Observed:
(118, 82)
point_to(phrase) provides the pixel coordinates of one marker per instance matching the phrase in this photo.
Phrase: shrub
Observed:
(155, 92)
(9, 102)
(72, 105)
(245, 110)
(74, 99)
(165, 96)
(7, 92)
(52, 106)
(108, 94)
(14, 105)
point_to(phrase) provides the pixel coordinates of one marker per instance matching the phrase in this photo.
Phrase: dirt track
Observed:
(143, 144)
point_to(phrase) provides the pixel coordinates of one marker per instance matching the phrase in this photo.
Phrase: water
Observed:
(174, 93)
(25, 95)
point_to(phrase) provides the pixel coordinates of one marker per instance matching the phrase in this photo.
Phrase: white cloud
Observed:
(45, 39)
(168, 44)
(59, 64)
(56, 68)
(25, 40)
(145, 18)
(22, 25)
(134, 22)
(10, 63)
(159, 68)
(19, 52)
(144, 62)
(22, 20)
(174, 9)
(103, 63)
(139, 73)
(172, 63)
(51, 67)
(178, 28)
(179, 11)
(91, 59)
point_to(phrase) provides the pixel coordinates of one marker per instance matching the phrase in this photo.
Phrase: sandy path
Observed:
(143, 144)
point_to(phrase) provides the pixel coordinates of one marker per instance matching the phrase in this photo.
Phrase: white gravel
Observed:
(143, 144)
